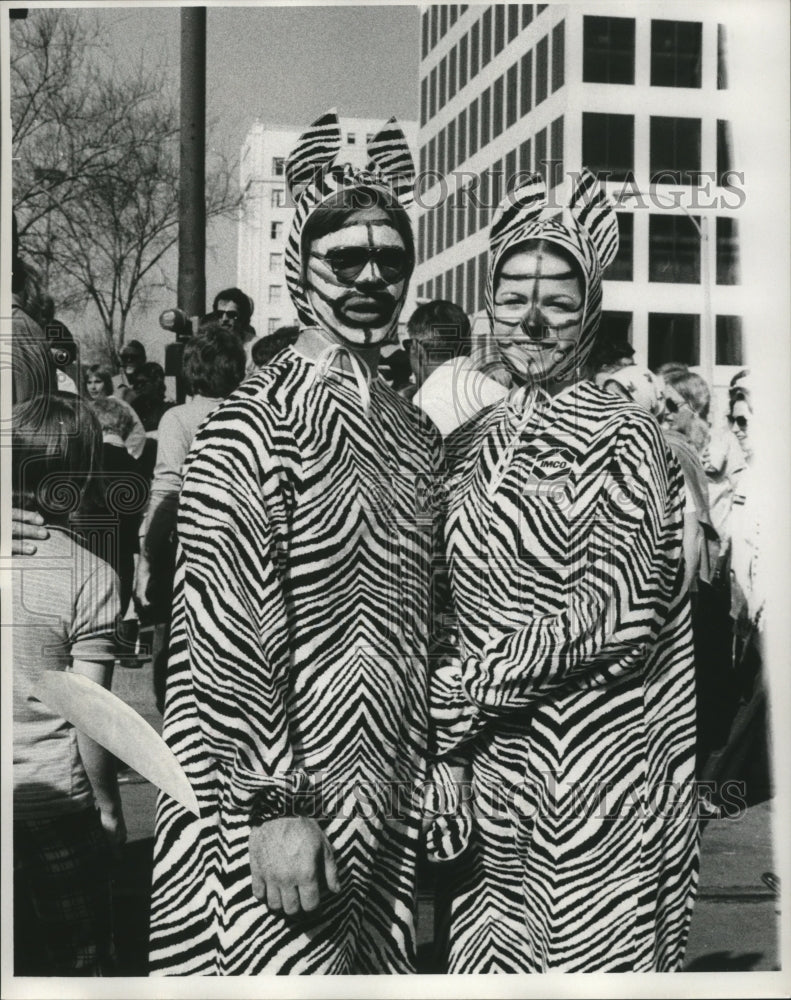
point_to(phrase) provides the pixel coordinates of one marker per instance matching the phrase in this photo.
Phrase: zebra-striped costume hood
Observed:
(587, 228)
(313, 176)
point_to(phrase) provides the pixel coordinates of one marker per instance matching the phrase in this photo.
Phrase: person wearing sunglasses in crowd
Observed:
(574, 668)
(297, 688)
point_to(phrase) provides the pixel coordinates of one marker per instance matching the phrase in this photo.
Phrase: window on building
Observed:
(424, 35)
(526, 84)
(462, 136)
(441, 225)
(622, 267)
(729, 346)
(608, 144)
(278, 166)
(615, 326)
(278, 198)
(473, 196)
(511, 95)
(542, 70)
(429, 286)
(675, 150)
(486, 37)
(443, 82)
(439, 290)
(541, 8)
(351, 139)
(452, 72)
(463, 61)
(541, 153)
(673, 248)
(276, 263)
(510, 170)
(432, 93)
(423, 152)
(498, 106)
(724, 147)
(527, 14)
(272, 324)
(458, 284)
(275, 293)
(525, 157)
(608, 50)
(722, 57)
(430, 224)
(421, 239)
(275, 230)
(676, 53)
(460, 211)
(486, 116)
(673, 337)
(473, 117)
(556, 152)
(485, 192)
(450, 219)
(469, 286)
(432, 157)
(443, 20)
(727, 251)
(441, 166)
(499, 28)
(450, 145)
(434, 24)
(481, 290)
(475, 49)
(558, 55)
(424, 100)
(513, 21)
(454, 14)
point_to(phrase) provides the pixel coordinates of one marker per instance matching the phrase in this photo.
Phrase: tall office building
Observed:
(642, 101)
(266, 213)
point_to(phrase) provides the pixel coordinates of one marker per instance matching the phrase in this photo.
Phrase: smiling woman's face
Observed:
(95, 386)
(538, 312)
(356, 278)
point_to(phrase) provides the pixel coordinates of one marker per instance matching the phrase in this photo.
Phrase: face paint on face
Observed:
(360, 308)
(538, 312)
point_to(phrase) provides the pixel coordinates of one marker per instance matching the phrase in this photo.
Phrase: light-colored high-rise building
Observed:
(640, 99)
(266, 213)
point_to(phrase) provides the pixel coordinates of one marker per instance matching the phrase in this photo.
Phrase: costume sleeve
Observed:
(230, 531)
(630, 535)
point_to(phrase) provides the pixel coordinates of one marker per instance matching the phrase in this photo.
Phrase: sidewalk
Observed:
(734, 927)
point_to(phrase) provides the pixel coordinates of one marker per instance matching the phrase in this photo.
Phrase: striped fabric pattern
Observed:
(577, 662)
(298, 642)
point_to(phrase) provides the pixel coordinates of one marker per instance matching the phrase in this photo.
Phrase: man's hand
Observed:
(142, 578)
(114, 826)
(26, 524)
(291, 860)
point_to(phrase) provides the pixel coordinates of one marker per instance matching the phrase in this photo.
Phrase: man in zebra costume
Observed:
(297, 691)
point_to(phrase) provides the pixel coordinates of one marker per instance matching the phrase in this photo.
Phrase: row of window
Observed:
(495, 23)
(470, 209)
(462, 64)
(507, 99)
(608, 52)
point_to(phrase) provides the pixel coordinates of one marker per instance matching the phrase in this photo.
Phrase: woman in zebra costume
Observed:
(297, 696)
(572, 698)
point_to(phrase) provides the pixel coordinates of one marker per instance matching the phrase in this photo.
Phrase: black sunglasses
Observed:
(228, 312)
(741, 422)
(347, 263)
(672, 406)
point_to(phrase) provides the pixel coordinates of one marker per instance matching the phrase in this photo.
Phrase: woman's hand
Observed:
(25, 525)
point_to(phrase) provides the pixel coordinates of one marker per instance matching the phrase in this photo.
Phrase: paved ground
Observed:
(734, 927)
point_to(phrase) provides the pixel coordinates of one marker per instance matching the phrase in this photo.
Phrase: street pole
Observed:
(192, 163)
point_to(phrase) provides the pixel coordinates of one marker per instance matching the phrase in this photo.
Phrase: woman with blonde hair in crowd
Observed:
(97, 383)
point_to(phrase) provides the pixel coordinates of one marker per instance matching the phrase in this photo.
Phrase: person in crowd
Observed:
(574, 665)
(610, 354)
(125, 489)
(739, 419)
(447, 386)
(98, 384)
(266, 348)
(299, 638)
(32, 369)
(213, 366)
(133, 357)
(67, 810)
(234, 310)
(149, 401)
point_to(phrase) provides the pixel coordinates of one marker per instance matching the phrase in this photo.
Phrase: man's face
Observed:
(357, 278)
(538, 312)
(131, 363)
(228, 313)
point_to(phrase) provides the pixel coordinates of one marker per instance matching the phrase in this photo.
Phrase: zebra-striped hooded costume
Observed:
(299, 645)
(573, 693)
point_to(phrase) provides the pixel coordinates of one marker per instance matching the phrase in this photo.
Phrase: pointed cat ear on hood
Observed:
(594, 212)
(389, 154)
(315, 150)
(519, 208)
